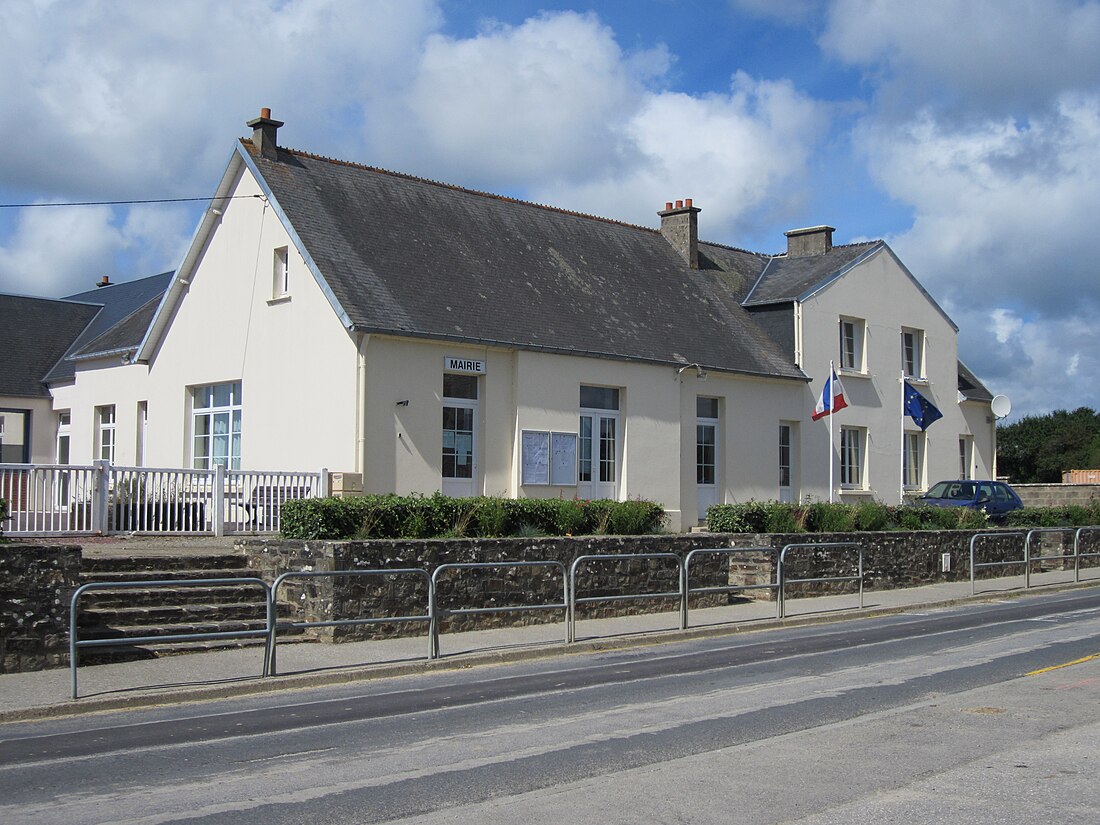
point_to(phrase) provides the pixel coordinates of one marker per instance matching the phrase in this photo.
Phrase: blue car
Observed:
(992, 497)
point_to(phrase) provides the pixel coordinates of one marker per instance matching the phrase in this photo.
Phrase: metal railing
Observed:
(783, 581)
(76, 643)
(688, 590)
(274, 624)
(976, 565)
(1078, 555)
(64, 499)
(437, 613)
(1031, 559)
(571, 616)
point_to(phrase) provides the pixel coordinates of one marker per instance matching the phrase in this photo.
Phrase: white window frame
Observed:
(966, 457)
(280, 273)
(853, 458)
(912, 365)
(106, 424)
(913, 461)
(235, 414)
(853, 340)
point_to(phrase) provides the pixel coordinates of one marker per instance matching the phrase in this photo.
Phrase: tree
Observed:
(1037, 448)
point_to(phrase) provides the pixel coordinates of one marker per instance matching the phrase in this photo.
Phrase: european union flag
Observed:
(919, 408)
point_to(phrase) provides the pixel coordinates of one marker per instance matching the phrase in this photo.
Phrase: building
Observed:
(429, 337)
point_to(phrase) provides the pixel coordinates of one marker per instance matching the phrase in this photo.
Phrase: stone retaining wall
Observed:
(36, 584)
(1056, 495)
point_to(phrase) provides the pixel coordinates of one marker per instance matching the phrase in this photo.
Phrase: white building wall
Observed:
(43, 426)
(880, 293)
(296, 362)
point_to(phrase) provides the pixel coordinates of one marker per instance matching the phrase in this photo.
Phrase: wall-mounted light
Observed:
(404, 403)
(700, 373)
(215, 210)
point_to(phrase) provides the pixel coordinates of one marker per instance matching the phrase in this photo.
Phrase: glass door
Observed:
(598, 456)
(459, 472)
(706, 455)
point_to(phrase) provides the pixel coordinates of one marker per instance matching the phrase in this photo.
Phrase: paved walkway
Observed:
(227, 673)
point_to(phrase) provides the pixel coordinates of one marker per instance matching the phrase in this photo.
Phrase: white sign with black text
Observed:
(469, 366)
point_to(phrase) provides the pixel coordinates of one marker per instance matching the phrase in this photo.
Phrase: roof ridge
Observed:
(457, 188)
(735, 248)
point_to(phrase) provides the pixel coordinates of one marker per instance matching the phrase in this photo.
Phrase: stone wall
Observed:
(36, 585)
(1056, 495)
(891, 560)
(326, 599)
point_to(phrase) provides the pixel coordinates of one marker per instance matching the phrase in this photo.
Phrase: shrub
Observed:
(420, 516)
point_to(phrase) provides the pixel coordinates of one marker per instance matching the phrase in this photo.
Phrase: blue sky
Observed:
(963, 132)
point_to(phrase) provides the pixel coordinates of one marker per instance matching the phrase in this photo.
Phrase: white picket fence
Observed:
(66, 499)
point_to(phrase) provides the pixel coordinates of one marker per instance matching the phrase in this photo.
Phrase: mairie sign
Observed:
(467, 365)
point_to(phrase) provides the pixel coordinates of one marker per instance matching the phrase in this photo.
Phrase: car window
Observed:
(1000, 493)
(986, 491)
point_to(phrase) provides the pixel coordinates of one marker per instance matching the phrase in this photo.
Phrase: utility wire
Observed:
(124, 203)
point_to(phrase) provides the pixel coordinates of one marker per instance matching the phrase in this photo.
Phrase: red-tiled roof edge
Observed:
(456, 188)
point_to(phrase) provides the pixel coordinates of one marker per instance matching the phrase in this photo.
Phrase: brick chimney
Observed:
(680, 227)
(813, 240)
(264, 131)
(104, 281)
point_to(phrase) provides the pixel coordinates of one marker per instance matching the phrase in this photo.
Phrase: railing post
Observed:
(325, 487)
(101, 488)
(218, 520)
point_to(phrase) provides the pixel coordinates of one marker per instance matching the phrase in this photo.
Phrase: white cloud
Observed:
(740, 156)
(977, 53)
(58, 250)
(545, 99)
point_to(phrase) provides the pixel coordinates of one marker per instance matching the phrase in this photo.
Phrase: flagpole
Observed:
(901, 478)
(832, 371)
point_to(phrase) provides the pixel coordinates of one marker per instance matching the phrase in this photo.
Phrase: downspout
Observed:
(361, 406)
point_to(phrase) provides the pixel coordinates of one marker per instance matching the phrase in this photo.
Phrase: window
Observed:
(459, 415)
(784, 456)
(105, 433)
(216, 426)
(912, 353)
(706, 440)
(64, 430)
(851, 344)
(913, 457)
(966, 457)
(598, 443)
(15, 442)
(280, 275)
(142, 431)
(851, 457)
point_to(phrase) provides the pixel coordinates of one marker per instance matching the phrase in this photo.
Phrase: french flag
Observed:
(832, 397)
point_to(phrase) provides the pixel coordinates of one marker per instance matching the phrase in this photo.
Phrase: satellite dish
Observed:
(1001, 406)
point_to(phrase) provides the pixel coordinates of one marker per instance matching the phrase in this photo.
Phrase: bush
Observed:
(420, 516)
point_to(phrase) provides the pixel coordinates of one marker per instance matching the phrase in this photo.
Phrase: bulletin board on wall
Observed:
(548, 458)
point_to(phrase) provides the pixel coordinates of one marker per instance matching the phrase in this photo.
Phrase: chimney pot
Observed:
(668, 206)
(265, 112)
(104, 281)
(687, 203)
(679, 204)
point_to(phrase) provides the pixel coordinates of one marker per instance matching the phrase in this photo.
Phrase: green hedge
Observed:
(821, 517)
(419, 516)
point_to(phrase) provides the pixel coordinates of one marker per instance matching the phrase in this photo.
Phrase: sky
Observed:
(965, 133)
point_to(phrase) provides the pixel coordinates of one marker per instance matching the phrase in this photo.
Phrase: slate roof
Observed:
(971, 388)
(790, 279)
(413, 257)
(120, 305)
(34, 335)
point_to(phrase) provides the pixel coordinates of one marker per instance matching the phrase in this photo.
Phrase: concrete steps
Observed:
(167, 611)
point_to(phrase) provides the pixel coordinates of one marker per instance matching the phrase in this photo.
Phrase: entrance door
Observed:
(459, 474)
(598, 460)
(706, 454)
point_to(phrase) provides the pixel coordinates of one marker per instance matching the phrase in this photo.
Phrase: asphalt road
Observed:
(923, 717)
